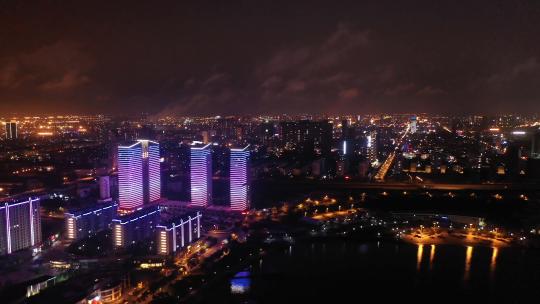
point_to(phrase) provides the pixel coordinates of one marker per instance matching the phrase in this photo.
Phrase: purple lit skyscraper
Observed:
(130, 176)
(154, 172)
(201, 176)
(239, 172)
(139, 178)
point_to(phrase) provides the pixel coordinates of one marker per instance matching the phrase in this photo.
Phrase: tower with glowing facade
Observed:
(201, 175)
(139, 177)
(20, 225)
(239, 175)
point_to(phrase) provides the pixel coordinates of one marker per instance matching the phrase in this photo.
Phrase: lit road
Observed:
(311, 185)
(383, 170)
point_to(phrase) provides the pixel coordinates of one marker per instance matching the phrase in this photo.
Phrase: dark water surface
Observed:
(383, 272)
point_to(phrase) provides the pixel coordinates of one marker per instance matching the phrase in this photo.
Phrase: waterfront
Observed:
(337, 270)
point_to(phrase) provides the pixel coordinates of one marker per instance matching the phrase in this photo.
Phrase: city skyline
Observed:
(269, 151)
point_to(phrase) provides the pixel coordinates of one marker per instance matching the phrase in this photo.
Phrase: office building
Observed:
(139, 176)
(413, 124)
(135, 227)
(104, 187)
(307, 136)
(205, 137)
(201, 175)
(88, 221)
(20, 225)
(239, 179)
(371, 144)
(346, 137)
(178, 233)
(535, 145)
(11, 130)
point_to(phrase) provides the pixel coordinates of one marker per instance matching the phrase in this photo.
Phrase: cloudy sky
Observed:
(252, 57)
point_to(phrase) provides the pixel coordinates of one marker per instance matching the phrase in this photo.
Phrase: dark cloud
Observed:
(430, 91)
(59, 66)
(239, 57)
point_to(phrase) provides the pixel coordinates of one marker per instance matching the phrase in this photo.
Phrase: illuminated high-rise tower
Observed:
(154, 171)
(20, 225)
(201, 175)
(372, 146)
(139, 178)
(239, 174)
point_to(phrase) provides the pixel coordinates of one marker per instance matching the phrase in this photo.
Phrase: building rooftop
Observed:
(92, 209)
(131, 217)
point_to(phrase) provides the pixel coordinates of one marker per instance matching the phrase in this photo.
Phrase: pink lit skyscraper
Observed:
(139, 178)
(201, 175)
(154, 171)
(239, 186)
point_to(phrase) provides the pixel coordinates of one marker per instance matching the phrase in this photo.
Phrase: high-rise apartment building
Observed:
(371, 145)
(413, 124)
(201, 175)
(11, 130)
(20, 225)
(239, 179)
(139, 176)
(307, 135)
(535, 145)
(104, 187)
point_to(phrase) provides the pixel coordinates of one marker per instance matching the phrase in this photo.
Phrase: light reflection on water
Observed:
(419, 253)
(431, 257)
(337, 264)
(468, 257)
(493, 264)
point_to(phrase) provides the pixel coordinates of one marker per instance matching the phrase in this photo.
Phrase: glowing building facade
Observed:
(88, 221)
(239, 175)
(372, 147)
(139, 177)
(135, 227)
(201, 175)
(154, 172)
(20, 225)
(178, 233)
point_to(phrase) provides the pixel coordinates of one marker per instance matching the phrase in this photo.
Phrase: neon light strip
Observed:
(174, 237)
(182, 228)
(119, 221)
(154, 172)
(32, 236)
(189, 226)
(8, 230)
(87, 213)
(130, 176)
(198, 225)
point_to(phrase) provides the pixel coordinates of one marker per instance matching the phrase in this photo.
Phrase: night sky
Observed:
(267, 57)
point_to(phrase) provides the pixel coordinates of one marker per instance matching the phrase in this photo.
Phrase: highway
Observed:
(313, 185)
